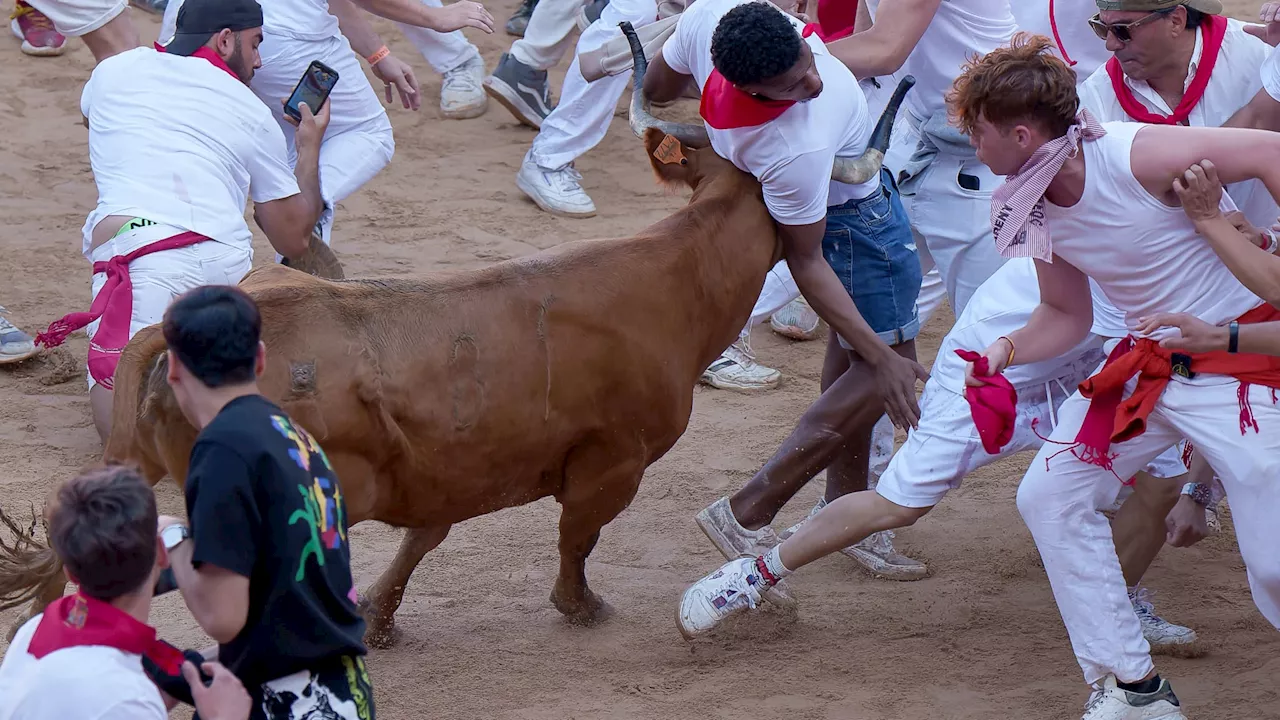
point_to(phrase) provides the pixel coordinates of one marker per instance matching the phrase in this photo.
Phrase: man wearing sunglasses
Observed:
(1178, 62)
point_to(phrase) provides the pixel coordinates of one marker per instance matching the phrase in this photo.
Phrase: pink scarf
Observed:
(1017, 207)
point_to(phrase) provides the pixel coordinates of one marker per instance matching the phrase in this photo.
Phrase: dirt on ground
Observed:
(979, 639)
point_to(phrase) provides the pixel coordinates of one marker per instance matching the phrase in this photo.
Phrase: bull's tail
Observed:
(26, 564)
(136, 364)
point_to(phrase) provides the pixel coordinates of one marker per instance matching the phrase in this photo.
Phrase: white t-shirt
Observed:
(1271, 74)
(84, 683)
(298, 19)
(959, 29)
(180, 141)
(1075, 42)
(1235, 80)
(791, 156)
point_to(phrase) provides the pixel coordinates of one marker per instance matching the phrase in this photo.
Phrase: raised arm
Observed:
(461, 14)
(1162, 153)
(369, 45)
(1261, 113)
(883, 48)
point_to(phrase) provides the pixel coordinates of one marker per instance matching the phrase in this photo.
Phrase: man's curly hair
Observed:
(1022, 82)
(754, 42)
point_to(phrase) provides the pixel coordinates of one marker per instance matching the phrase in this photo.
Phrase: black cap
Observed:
(199, 20)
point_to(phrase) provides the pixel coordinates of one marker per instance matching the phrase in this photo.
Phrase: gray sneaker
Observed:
(734, 541)
(590, 13)
(15, 345)
(521, 89)
(519, 20)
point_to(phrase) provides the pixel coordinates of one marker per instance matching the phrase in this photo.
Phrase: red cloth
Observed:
(209, 55)
(1053, 25)
(114, 304)
(725, 107)
(994, 405)
(837, 18)
(81, 621)
(1215, 29)
(1114, 418)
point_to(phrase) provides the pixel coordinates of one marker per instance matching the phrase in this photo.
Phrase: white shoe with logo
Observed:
(558, 191)
(1110, 702)
(732, 589)
(737, 369)
(734, 541)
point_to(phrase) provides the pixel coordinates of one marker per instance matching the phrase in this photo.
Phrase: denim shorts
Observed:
(870, 247)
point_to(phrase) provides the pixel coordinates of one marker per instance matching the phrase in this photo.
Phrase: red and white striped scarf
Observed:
(1017, 206)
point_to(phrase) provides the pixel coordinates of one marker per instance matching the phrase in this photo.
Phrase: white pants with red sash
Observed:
(1060, 503)
(160, 278)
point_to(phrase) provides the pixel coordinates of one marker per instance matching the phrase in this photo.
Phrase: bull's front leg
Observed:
(600, 481)
(380, 605)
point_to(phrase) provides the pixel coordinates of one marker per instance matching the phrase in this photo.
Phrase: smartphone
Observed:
(313, 89)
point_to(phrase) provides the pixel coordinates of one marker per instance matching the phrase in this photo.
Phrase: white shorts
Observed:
(160, 278)
(74, 18)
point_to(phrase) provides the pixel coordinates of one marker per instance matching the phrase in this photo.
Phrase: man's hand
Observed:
(1186, 524)
(1197, 335)
(896, 380)
(997, 355)
(1269, 30)
(391, 70)
(312, 125)
(1199, 191)
(224, 699)
(463, 14)
(1246, 228)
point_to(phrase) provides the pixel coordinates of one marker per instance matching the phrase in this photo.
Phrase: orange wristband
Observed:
(378, 56)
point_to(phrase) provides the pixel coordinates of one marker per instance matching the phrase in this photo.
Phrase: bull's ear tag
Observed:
(668, 151)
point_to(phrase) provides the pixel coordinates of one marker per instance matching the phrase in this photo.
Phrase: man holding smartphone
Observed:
(175, 159)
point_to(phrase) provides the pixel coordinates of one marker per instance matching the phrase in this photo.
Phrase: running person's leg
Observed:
(103, 25)
(519, 81)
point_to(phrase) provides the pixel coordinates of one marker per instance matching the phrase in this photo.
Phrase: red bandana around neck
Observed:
(209, 55)
(725, 107)
(1215, 29)
(81, 621)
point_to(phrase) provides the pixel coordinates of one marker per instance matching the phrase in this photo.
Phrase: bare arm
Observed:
(288, 222)
(218, 599)
(882, 49)
(1059, 322)
(355, 26)
(661, 83)
(463, 13)
(1261, 113)
(1162, 153)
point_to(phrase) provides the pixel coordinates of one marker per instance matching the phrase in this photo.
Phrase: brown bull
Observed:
(565, 374)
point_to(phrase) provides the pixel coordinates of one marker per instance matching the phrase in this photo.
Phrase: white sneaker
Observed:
(15, 345)
(462, 92)
(558, 191)
(734, 541)
(730, 590)
(1160, 633)
(874, 552)
(798, 321)
(737, 369)
(1109, 702)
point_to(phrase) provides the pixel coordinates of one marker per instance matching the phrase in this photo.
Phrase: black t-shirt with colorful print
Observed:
(264, 502)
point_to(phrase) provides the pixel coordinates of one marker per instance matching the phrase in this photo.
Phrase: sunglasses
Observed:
(1123, 31)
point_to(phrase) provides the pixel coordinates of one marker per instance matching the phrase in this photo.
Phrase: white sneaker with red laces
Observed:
(732, 589)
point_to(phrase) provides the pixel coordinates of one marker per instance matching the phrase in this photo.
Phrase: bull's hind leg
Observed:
(379, 606)
(600, 482)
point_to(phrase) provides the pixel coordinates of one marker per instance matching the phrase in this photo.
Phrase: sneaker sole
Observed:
(714, 382)
(467, 112)
(582, 20)
(519, 109)
(877, 567)
(520, 183)
(32, 50)
(779, 594)
(794, 333)
(10, 359)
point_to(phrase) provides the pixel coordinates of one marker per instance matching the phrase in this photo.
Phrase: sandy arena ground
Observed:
(479, 639)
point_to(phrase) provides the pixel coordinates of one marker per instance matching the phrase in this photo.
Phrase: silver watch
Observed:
(174, 535)
(1199, 493)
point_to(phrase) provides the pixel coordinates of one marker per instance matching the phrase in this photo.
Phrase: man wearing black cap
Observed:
(178, 144)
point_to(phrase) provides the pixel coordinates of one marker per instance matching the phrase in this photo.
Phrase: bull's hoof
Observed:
(380, 636)
(587, 611)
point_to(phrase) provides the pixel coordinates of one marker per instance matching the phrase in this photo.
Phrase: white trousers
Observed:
(951, 224)
(1060, 505)
(547, 37)
(76, 18)
(358, 142)
(582, 116)
(160, 278)
(442, 51)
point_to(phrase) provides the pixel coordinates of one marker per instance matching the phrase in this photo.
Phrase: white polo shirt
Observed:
(1068, 27)
(85, 683)
(958, 30)
(792, 156)
(1236, 79)
(180, 141)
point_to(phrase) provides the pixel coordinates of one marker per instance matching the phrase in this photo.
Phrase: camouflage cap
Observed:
(1208, 7)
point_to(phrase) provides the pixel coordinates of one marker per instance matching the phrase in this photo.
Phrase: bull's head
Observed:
(853, 171)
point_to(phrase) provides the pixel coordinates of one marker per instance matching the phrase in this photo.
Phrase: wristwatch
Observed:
(1199, 493)
(174, 535)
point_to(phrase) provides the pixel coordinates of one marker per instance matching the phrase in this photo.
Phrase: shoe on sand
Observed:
(734, 541)
(522, 90)
(737, 369)
(732, 589)
(1110, 702)
(461, 94)
(15, 345)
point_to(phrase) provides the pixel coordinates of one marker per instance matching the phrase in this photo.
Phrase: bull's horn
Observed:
(857, 171)
(694, 136)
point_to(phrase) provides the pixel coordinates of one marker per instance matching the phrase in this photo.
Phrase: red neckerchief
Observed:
(81, 621)
(209, 55)
(837, 18)
(725, 107)
(1215, 29)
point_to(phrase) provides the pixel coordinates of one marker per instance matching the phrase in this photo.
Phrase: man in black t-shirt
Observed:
(265, 567)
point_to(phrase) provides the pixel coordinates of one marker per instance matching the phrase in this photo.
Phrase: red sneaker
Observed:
(35, 31)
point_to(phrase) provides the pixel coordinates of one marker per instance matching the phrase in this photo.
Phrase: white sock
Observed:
(772, 561)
